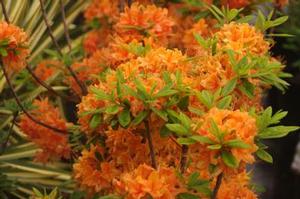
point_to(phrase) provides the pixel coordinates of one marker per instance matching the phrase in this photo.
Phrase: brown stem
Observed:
(73, 74)
(9, 132)
(217, 187)
(66, 30)
(31, 72)
(49, 28)
(22, 107)
(129, 2)
(49, 88)
(150, 144)
(122, 5)
(4, 11)
(183, 160)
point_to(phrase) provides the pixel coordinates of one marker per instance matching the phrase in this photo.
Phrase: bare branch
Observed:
(49, 88)
(73, 74)
(150, 144)
(66, 30)
(9, 132)
(22, 107)
(4, 11)
(217, 187)
(183, 160)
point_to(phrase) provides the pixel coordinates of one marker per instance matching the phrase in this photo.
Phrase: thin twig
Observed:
(66, 30)
(29, 69)
(9, 132)
(217, 187)
(49, 28)
(73, 74)
(129, 2)
(122, 5)
(4, 11)
(49, 88)
(150, 144)
(22, 107)
(183, 159)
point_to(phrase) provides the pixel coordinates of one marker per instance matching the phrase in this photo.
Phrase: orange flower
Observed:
(204, 27)
(236, 187)
(242, 38)
(88, 69)
(236, 125)
(88, 103)
(15, 41)
(157, 61)
(96, 39)
(139, 21)
(209, 73)
(94, 174)
(46, 68)
(53, 145)
(144, 180)
(102, 8)
(235, 3)
(127, 148)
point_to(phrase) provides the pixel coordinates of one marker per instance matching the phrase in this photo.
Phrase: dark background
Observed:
(280, 181)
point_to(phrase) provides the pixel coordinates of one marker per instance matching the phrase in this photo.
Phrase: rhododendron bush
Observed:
(137, 99)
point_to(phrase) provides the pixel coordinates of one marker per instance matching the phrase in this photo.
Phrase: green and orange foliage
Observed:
(208, 102)
(53, 145)
(13, 47)
(174, 101)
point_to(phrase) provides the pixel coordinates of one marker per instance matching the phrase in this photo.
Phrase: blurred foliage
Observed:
(292, 27)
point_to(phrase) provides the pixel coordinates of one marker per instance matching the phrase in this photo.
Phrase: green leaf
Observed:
(264, 155)
(114, 109)
(196, 111)
(178, 129)
(214, 129)
(185, 120)
(186, 141)
(142, 91)
(124, 117)
(224, 102)
(200, 40)
(100, 95)
(193, 179)
(247, 88)
(245, 19)
(214, 147)
(202, 139)
(111, 196)
(140, 117)
(229, 159)
(280, 35)
(279, 21)
(165, 132)
(229, 87)
(4, 42)
(206, 98)
(277, 132)
(167, 78)
(184, 103)
(237, 144)
(3, 52)
(162, 114)
(95, 121)
(187, 196)
(166, 91)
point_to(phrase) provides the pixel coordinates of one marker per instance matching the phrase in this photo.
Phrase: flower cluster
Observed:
(176, 110)
(13, 46)
(53, 145)
(173, 105)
